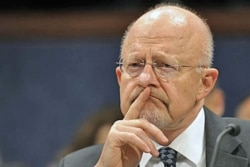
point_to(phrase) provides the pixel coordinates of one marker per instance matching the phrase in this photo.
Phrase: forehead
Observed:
(171, 47)
(152, 53)
(166, 30)
(169, 29)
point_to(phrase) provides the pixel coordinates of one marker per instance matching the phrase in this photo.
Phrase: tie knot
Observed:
(168, 156)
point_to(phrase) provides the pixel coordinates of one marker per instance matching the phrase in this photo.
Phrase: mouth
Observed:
(158, 97)
(153, 98)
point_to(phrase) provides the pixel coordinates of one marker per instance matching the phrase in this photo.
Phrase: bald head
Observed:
(164, 58)
(167, 22)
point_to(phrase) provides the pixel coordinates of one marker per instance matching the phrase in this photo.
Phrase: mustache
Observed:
(153, 93)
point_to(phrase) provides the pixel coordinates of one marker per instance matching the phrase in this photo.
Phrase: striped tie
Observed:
(168, 156)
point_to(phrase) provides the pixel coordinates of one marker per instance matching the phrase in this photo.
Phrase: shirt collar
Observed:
(192, 148)
(193, 136)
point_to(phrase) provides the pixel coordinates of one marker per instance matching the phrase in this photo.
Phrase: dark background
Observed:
(50, 84)
(7, 5)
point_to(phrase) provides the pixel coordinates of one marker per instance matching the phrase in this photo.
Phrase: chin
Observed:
(154, 117)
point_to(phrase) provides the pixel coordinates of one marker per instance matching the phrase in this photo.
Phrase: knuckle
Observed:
(139, 132)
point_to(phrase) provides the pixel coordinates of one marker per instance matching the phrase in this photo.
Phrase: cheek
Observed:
(126, 88)
(190, 86)
(182, 98)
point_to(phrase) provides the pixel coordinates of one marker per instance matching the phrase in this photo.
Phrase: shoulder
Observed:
(215, 125)
(86, 157)
(244, 134)
(243, 124)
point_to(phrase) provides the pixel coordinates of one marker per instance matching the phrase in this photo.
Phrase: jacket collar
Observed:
(230, 148)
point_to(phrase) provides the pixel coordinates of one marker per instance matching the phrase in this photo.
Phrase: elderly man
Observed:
(164, 75)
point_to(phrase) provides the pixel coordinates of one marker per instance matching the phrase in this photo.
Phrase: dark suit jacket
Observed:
(233, 151)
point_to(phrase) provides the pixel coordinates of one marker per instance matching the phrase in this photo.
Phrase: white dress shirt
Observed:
(190, 145)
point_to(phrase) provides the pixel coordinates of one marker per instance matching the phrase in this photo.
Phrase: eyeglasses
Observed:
(163, 70)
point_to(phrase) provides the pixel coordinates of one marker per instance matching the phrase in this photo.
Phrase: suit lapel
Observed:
(229, 147)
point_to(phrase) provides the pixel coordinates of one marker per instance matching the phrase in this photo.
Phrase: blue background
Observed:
(48, 87)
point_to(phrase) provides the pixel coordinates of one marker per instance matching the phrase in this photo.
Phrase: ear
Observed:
(208, 80)
(118, 74)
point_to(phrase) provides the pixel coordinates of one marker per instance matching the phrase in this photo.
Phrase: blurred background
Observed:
(57, 66)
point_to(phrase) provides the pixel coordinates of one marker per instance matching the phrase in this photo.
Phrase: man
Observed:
(164, 75)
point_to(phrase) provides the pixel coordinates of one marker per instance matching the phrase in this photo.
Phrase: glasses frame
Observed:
(154, 67)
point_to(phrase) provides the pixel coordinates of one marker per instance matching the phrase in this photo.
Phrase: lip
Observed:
(154, 97)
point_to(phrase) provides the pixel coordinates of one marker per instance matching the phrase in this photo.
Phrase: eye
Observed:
(164, 67)
(135, 66)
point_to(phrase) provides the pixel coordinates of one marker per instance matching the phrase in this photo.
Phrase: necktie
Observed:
(168, 156)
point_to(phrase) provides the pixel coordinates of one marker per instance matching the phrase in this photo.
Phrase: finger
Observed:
(138, 132)
(144, 130)
(134, 110)
(155, 133)
(150, 129)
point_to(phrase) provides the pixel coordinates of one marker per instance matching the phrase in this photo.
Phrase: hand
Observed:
(130, 137)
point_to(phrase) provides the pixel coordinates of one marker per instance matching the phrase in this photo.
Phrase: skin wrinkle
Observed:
(157, 95)
(149, 40)
(153, 93)
(189, 25)
(154, 109)
(167, 50)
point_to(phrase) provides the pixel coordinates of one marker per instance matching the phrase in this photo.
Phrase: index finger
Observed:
(134, 110)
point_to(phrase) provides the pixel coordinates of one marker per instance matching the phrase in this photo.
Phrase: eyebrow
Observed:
(156, 54)
(165, 56)
(135, 54)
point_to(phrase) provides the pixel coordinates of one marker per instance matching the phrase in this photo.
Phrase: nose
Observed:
(148, 76)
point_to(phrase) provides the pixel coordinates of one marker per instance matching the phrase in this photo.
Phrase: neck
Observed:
(184, 122)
